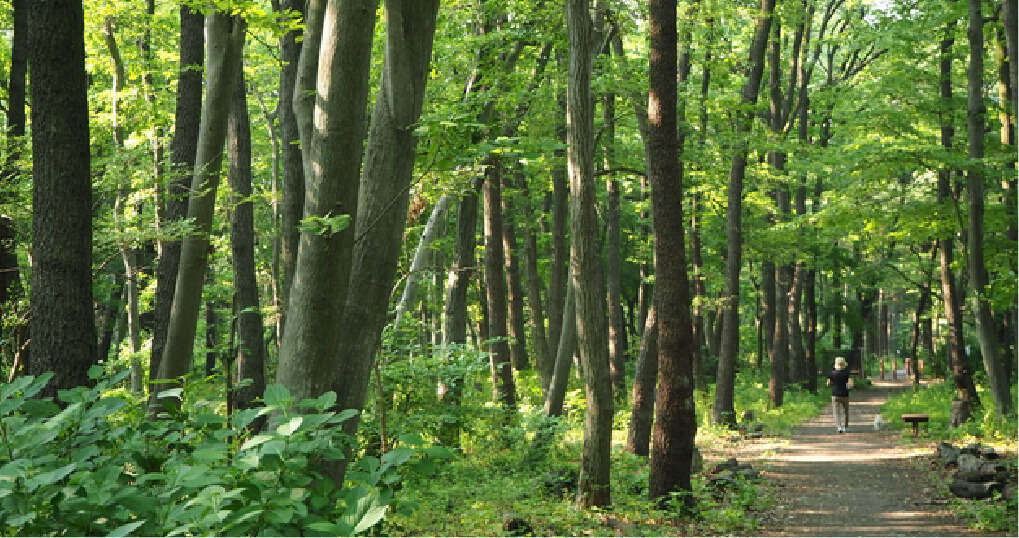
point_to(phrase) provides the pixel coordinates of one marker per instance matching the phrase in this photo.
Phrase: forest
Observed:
(482, 267)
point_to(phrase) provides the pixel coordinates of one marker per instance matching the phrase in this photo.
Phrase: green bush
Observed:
(96, 465)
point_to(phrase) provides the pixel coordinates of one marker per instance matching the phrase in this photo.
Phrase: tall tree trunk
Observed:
(62, 327)
(292, 210)
(408, 299)
(734, 221)
(454, 324)
(172, 200)
(224, 48)
(542, 357)
(514, 290)
(503, 385)
(559, 272)
(946, 245)
(331, 102)
(987, 333)
(1008, 17)
(128, 253)
(556, 393)
(251, 344)
(675, 419)
(383, 199)
(593, 489)
(617, 332)
(645, 377)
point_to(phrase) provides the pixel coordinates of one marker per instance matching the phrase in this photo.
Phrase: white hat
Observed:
(840, 363)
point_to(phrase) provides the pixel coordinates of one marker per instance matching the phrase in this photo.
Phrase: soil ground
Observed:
(865, 482)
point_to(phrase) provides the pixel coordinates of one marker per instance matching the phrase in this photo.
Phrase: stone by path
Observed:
(860, 483)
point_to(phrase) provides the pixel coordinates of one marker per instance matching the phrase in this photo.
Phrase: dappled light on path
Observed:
(861, 483)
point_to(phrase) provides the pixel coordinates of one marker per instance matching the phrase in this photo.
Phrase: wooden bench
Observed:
(915, 420)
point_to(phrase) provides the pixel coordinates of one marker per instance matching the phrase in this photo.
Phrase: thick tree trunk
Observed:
(734, 221)
(172, 200)
(592, 343)
(675, 419)
(383, 199)
(250, 341)
(224, 49)
(987, 333)
(330, 100)
(62, 326)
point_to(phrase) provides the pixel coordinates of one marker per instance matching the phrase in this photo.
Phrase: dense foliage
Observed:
(850, 201)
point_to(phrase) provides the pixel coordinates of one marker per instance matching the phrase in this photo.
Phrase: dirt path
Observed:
(860, 483)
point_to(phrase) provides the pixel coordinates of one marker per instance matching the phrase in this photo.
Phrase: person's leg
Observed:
(835, 409)
(843, 404)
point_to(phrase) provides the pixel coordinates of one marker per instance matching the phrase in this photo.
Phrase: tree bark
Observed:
(503, 386)
(675, 419)
(593, 489)
(62, 328)
(383, 199)
(946, 245)
(224, 48)
(734, 222)
(331, 102)
(292, 210)
(980, 303)
(613, 266)
(638, 432)
(543, 359)
(454, 324)
(514, 290)
(421, 256)
(556, 393)
(247, 308)
(172, 200)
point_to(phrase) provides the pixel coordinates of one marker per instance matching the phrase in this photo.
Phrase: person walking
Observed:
(840, 381)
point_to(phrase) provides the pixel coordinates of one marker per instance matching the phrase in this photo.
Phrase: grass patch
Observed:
(985, 427)
(489, 483)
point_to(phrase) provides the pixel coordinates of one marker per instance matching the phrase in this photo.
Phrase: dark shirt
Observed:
(839, 382)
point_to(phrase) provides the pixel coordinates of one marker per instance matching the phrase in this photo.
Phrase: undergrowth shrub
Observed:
(97, 465)
(935, 401)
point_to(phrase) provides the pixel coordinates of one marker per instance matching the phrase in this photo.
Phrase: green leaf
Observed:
(170, 393)
(17, 521)
(325, 528)
(371, 517)
(395, 457)
(210, 453)
(255, 441)
(288, 429)
(9, 389)
(50, 477)
(277, 396)
(125, 530)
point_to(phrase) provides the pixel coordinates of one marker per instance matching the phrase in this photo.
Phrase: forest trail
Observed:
(864, 482)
